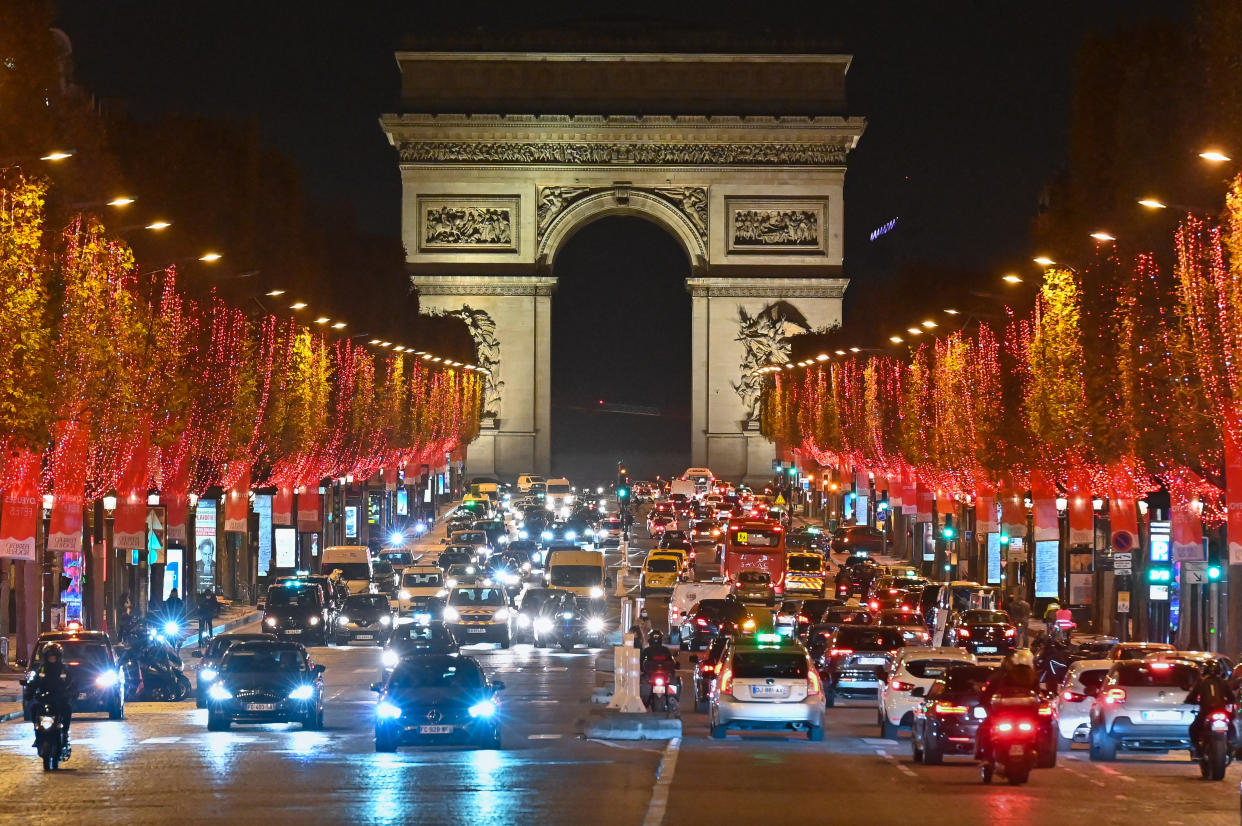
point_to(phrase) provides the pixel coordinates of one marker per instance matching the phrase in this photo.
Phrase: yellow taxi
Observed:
(661, 572)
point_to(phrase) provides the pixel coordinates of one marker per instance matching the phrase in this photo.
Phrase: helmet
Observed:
(655, 638)
(1023, 657)
(52, 653)
(1212, 669)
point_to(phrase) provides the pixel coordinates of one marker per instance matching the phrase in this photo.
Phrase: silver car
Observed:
(1141, 706)
(768, 683)
(1082, 681)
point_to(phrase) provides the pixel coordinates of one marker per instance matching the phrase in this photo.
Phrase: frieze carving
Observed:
(552, 202)
(776, 228)
(468, 226)
(482, 329)
(691, 201)
(574, 152)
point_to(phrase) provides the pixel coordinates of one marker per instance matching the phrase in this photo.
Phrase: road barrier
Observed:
(626, 675)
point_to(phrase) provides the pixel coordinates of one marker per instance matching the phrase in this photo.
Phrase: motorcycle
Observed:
(1212, 744)
(1013, 734)
(156, 672)
(661, 688)
(49, 735)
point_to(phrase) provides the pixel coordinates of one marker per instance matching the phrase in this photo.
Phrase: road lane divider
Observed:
(664, 779)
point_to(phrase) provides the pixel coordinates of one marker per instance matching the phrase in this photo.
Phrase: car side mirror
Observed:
(377, 688)
(918, 691)
(318, 669)
(198, 655)
(498, 685)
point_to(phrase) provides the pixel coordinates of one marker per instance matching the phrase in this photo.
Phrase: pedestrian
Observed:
(1020, 612)
(174, 608)
(641, 629)
(207, 607)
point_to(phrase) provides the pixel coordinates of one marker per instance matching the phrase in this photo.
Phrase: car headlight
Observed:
(485, 708)
(450, 582)
(523, 535)
(546, 535)
(107, 679)
(442, 593)
(501, 616)
(342, 620)
(385, 620)
(302, 692)
(422, 618)
(523, 621)
(567, 615)
(270, 622)
(571, 535)
(403, 594)
(543, 624)
(389, 658)
(314, 620)
(219, 692)
(450, 614)
(208, 674)
(172, 629)
(387, 711)
(597, 592)
(595, 625)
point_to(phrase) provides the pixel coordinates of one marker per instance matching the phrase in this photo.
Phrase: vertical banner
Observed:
(173, 573)
(1044, 507)
(896, 489)
(129, 527)
(206, 540)
(945, 503)
(909, 493)
(71, 597)
(282, 505)
(237, 505)
(1048, 568)
(286, 541)
(308, 512)
(390, 478)
(1187, 531)
(926, 498)
(69, 480)
(20, 510)
(1123, 520)
(1233, 494)
(175, 495)
(994, 559)
(1080, 511)
(985, 511)
(263, 507)
(1013, 509)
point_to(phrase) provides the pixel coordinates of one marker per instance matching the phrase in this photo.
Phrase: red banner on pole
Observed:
(308, 512)
(985, 509)
(909, 493)
(175, 496)
(1079, 508)
(20, 511)
(926, 498)
(1233, 495)
(390, 478)
(69, 487)
(1187, 530)
(1013, 510)
(237, 504)
(1044, 507)
(129, 528)
(1123, 520)
(282, 505)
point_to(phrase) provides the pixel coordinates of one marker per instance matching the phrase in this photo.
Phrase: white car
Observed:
(915, 667)
(1074, 701)
(419, 583)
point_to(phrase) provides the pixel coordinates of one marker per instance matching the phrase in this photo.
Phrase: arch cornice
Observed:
(621, 201)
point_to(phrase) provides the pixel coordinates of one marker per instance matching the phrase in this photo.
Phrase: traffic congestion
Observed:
(753, 628)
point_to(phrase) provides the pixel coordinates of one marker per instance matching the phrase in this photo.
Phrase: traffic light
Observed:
(1159, 574)
(1214, 573)
(948, 531)
(793, 471)
(623, 493)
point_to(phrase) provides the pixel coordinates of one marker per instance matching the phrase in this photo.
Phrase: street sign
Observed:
(1123, 602)
(1194, 573)
(780, 499)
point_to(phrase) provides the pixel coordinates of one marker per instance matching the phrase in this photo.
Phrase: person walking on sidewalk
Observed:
(208, 607)
(1020, 612)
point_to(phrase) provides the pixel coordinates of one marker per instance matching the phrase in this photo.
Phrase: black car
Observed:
(529, 606)
(497, 533)
(947, 722)
(93, 665)
(334, 592)
(437, 699)
(706, 671)
(709, 619)
(364, 617)
(455, 555)
(297, 609)
(266, 682)
(983, 633)
(857, 660)
(209, 668)
(414, 639)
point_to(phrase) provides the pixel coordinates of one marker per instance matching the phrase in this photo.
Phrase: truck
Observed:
(683, 487)
(582, 572)
(354, 563)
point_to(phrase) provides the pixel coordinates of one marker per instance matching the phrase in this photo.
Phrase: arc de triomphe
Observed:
(740, 157)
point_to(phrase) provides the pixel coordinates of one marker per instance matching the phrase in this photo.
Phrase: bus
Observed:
(754, 544)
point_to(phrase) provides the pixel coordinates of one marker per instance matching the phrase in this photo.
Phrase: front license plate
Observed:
(1162, 716)
(363, 637)
(293, 631)
(82, 696)
(872, 661)
(1016, 751)
(768, 691)
(260, 706)
(987, 649)
(435, 729)
(476, 630)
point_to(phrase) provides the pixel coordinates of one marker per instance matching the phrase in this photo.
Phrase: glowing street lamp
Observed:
(1043, 261)
(1215, 156)
(914, 331)
(1153, 203)
(274, 293)
(929, 324)
(1100, 235)
(340, 325)
(120, 201)
(1011, 278)
(58, 155)
(950, 311)
(210, 257)
(300, 305)
(895, 339)
(156, 226)
(323, 319)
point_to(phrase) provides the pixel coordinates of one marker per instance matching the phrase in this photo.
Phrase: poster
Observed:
(69, 475)
(1081, 589)
(71, 564)
(205, 542)
(1047, 568)
(286, 540)
(308, 512)
(403, 502)
(263, 508)
(351, 521)
(21, 507)
(994, 559)
(173, 578)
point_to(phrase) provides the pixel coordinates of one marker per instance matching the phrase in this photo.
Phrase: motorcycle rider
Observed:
(1016, 675)
(1210, 693)
(53, 681)
(656, 651)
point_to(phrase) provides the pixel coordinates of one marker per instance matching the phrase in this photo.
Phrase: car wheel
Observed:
(1103, 747)
(815, 733)
(933, 755)
(385, 743)
(916, 749)
(506, 642)
(313, 720)
(217, 722)
(117, 712)
(889, 731)
(720, 731)
(1046, 753)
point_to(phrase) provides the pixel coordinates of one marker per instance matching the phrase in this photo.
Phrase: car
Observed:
(364, 617)
(755, 586)
(266, 682)
(569, 619)
(686, 594)
(706, 669)
(912, 631)
(1199, 658)
(91, 662)
(463, 573)
(983, 633)
(479, 613)
(913, 668)
(685, 562)
(436, 699)
(710, 619)
(384, 577)
(609, 533)
(857, 660)
(528, 606)
(476, 540)
(705, 532)
(209, 667)
(1077, 692)
(398, 558)
(297, 609)
(859, 540)
(419, 583)
(1137, 650)
(947, 719)
(855, 580)
(455, 555)
(1141, 706)
(660, 574)
(767, 683)
(805, 574)
(414, 639)
(495, 529)
(334, 590)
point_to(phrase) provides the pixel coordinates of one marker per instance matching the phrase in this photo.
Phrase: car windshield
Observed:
(397, 557)
(282, 596)
(221, 644)
(574, 576)
(430, 579)
(756, 538)
(715, 609)
(381, 567)
(367, 602)
(265, 659)
(477, 596)
(931, 669)
(349, 570)
(868, 638)
(411, 632)
(703, 526)
(984, 617)
(778, 664)
(558, 490)
(455, 558)
(437, 672)
(534, 599)
(1162, 674)
(80, 652)
(806, 564)
(662, 565)
(753, 578)
(897, 618)
(470, 538)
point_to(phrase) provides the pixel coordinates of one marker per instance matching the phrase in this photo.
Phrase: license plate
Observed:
(987, 649)
(1162, 716)
(768, 691)
(476, 630)
(658, 689)
(435, 729)
(82, 696)
(260, 706)
(363, 637)
(872, 661)
(1016, 751)
(1220, 725)
(293, 631)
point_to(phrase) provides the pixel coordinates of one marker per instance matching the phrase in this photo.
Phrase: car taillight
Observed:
(948, 708)
(1115, 696)
(726, 681)
(905, 609)
(813, 684)
(898, 685)
(1071, 697)
(1010, 632)
(700, 622)
(874, 605)
(892, 590)
(1026, 726)
(709, 668)
(840, 652)
(1045, 711)
(803, 618)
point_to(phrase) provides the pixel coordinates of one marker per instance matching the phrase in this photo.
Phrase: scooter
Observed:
(661, 688)
(49, 735)
(1213, 741)
(1013, 731)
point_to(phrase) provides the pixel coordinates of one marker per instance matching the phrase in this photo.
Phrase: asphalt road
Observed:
(161, 765)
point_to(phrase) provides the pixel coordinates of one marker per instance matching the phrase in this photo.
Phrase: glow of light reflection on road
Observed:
(307, 743)
(386, 788)
(220, 748)
(110, 740)
(486, 802)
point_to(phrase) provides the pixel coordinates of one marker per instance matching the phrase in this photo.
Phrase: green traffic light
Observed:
(947, 532)
(622, 493)
(1214, 572)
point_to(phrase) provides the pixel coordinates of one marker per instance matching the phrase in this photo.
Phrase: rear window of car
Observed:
(662, 565)
(872, 638)
(1140, 675)
(753, 578)
(972, 617)
(932, 669)
(967, 679)
(808, 564)
(778, 664)
(1091, 679)
(839, 615)
(897, 618)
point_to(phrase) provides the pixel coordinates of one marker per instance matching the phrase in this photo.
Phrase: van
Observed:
(579, 571)
(525, 481)
(686, 594)
(354, 563)
(560, 495)
(682, 488)
(419, 583)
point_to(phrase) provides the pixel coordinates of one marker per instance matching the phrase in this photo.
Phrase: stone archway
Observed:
(756, 201)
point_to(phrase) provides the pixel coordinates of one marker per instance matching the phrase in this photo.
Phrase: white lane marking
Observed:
(160, 740)
(621, 746)
(659, 794)
(876, 741)
(906, 770)
(544, 737)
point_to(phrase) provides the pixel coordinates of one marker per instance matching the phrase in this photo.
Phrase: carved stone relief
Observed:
(463, 226)
(765, 340)
(552, 202)
(575, 152)
(691, 201)
(482, 329)
(776, 227)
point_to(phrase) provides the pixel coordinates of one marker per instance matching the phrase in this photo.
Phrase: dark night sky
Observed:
(967, 106)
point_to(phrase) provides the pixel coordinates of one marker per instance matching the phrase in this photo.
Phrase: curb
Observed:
(619, 726)
(191, 642)
(12, 715)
